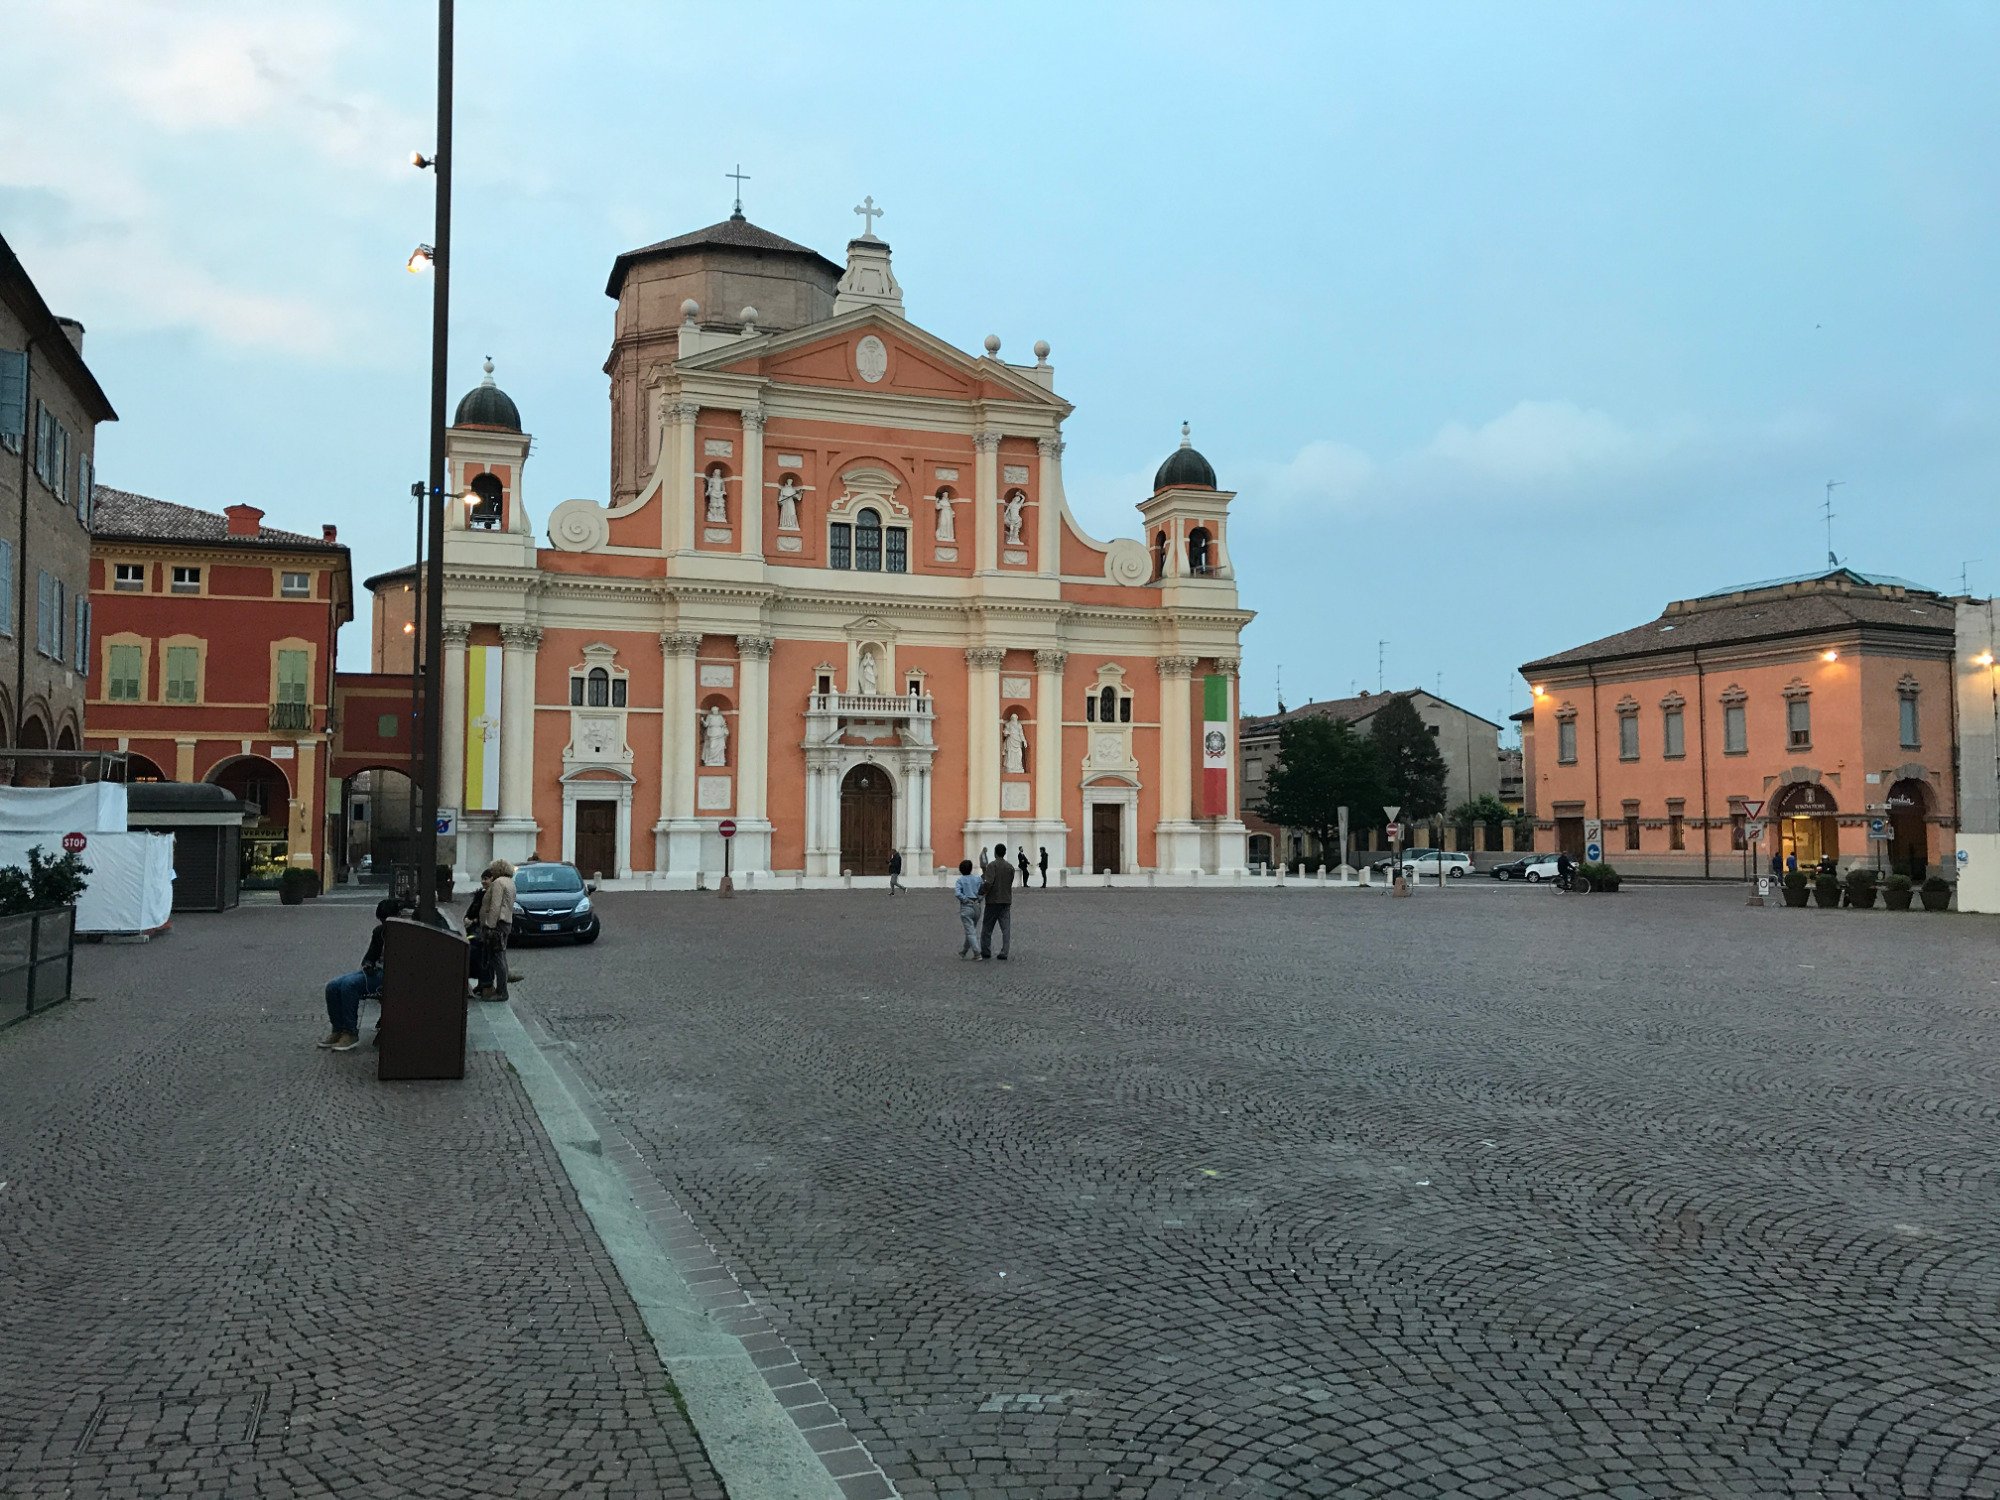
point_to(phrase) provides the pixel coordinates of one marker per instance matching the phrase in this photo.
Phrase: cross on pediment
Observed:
(869, 214)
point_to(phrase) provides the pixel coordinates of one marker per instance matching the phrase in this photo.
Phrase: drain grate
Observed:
(155, 1422)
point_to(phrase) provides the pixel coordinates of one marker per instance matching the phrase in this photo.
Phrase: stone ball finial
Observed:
(487, 366)
(749, 317)
(1042, 351)
(993, 343)
(690, 310)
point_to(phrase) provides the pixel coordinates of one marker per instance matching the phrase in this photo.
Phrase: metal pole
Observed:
(417, 492)
(433, 747)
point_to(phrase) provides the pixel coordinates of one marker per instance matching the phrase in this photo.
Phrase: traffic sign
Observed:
(1593, 853)
(1593, 830)
(1964, 856)
(1394, 831)
(1391, 813)
(75, 843)
(727, 828)
(1878, 830)
(1753, 807)
(1753, 831)
(447, 822)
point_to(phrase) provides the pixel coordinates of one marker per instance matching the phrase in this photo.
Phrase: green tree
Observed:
(1323, 765)
(1412, 768)
(1485, 808)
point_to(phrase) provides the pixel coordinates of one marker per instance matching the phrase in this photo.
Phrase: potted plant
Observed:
(1936, 893)
(38, 923)
(1860, 886)
(1826, 888)
(294, 886)
(1897, 891)
(1602, 877)
(1795, 887)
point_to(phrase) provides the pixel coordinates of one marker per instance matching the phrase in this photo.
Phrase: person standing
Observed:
(966, 889)
(496, 922)
(998, 889)
(895, 871)
(1044, 863)
(1022, 856)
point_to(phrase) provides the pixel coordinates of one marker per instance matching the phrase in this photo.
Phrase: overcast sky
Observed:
(1508, 323)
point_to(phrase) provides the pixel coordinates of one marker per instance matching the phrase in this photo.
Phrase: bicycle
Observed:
(1576, 883)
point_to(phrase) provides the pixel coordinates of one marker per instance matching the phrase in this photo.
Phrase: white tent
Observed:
(94, 807)
(131, 879)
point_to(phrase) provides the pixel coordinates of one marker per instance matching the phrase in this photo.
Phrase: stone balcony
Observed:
(909, 715)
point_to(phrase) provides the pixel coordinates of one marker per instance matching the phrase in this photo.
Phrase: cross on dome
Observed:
(741, 177)
(869, 214)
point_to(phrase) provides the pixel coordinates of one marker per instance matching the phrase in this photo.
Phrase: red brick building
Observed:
(213, 660)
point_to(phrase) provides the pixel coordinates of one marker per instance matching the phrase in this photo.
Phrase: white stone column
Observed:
(982, 732)
(451, 706)
(986, 501)
(679, 729)
(1176, 677)
(680, 510)
(753, 719)
(1226, 666)
(1048, 517)
(514, 831)
(751, 531)
(1048, 734)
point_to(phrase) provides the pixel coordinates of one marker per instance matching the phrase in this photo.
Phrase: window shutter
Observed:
(86, 484)
(59, 478)
(6, 587)
(41, 442)
(42, 610)
(60, 622)
(82, 651)
(13, 397)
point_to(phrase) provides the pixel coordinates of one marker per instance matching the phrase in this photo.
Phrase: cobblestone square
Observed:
(1490, 1192)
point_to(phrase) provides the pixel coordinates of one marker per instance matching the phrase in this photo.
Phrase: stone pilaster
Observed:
(982, 742)
(451, 774)
(753, 720)
(986, 501)
(752, 499)
(1048, 734)
(1048, 500)
(680, 509)
(519, 644)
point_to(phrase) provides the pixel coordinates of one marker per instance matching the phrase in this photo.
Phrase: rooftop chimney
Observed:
(72, 330)
(244, 520)
(329, 533)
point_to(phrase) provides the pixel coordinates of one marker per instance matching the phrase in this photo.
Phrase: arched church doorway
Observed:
(1909, 844)
(1808, 823)
(867, 818)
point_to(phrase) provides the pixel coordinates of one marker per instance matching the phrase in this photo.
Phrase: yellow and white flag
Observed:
(482, 729)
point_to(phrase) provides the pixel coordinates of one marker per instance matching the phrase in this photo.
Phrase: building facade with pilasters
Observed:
(835, 598)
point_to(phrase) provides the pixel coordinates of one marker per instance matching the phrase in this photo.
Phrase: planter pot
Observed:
(1827, 895)
(1795, 897)
(291, 895)
(1897, 900)
(36, 949)
(1936, 900)
(1861, 897)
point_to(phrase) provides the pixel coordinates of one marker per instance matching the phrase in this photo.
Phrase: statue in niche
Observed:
(788, 504)
(717, 489)
(714, 738)
(866, 674)
(1013, 745)
(947, 530)
(1011, 514)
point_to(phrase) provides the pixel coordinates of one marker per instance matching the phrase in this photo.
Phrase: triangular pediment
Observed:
(873, 350)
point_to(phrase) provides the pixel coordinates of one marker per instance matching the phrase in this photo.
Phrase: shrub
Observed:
(48, 881)
(1861, 886)
(1897, 882)
(295, 885)
(1602, 877)
(1936, 884)
(1795, 880)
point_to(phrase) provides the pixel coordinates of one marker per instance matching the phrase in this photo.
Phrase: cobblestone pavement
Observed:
(232, 1265)
(1308, 1193)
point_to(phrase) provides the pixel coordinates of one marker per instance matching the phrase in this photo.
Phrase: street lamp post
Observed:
(431, 578)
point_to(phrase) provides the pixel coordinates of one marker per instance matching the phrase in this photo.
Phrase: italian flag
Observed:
(1218, 746)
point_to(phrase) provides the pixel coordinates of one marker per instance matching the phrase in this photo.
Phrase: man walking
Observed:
(895, 871)
(998, 888)
(1044, 863)
(496, 921)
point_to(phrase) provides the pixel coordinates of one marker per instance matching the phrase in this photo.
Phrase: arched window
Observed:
(1160, 555)
(868, 542)
(597, 689)
(1198, 551)
(1107, 712)
(484, 514)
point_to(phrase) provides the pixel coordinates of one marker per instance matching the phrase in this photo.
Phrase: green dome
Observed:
(486, 405)
(1184, 468)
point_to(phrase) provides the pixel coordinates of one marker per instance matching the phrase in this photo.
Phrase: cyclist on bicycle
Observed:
(1565, 870)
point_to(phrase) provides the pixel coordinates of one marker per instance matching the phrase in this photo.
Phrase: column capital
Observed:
(1227, 666)
(456, 632)
(754, 647)
(679, 642)
(1051, 447)
(984, 657)
(521, 637)
(986, 440)
(1176, 666)
(753, 418)
(683, 411)
(1051, 661)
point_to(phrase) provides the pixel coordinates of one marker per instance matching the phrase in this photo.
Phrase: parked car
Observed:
(1514, 869)
(1426, 862)
(552, 904)
(1541, 867)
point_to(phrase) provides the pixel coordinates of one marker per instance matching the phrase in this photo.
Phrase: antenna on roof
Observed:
(1827, 509)
(1281, 687)
(1965, 575)
(1381, 655)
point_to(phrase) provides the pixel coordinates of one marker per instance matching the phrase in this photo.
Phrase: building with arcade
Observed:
(835, 595)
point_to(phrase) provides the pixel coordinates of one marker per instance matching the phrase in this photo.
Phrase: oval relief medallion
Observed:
(871, 359)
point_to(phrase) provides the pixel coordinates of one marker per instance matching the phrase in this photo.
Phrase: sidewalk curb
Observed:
(764, 1444)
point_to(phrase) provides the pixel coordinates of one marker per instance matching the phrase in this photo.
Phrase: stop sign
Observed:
(727, 828)
(75, 843)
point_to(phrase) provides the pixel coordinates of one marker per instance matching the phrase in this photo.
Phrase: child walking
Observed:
(966, 889)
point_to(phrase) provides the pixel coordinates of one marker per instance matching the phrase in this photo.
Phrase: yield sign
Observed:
(1390, 812)
(1753, 809)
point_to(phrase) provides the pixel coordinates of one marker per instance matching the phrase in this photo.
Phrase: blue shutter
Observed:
(13, 398)
(42, 611)
(6, 587)
(59, 479)
(41, 442)
(86, 487)
(80, 654)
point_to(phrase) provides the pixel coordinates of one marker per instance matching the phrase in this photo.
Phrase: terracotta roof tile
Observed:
(120, 513)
